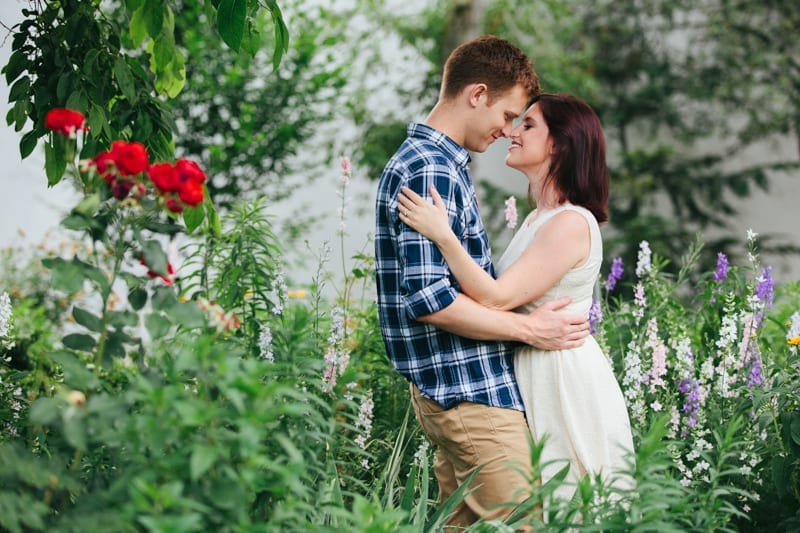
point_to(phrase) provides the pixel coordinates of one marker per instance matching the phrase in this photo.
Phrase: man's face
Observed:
(493, 118)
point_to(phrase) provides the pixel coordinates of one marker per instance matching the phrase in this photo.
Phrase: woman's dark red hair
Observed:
(578, 168)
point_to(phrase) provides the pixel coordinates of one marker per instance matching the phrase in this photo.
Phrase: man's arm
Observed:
(546, 327)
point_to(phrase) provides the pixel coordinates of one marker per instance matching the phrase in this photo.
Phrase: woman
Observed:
(571, 396)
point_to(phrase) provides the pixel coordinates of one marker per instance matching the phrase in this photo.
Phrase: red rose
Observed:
(164, 176)
(65, 121)
(190, 171)
(191, 193)
(106, 166)
(174, 205)
(131, 158)
(121, 188)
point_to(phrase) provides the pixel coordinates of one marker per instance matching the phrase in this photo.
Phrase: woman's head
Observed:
(573, 152)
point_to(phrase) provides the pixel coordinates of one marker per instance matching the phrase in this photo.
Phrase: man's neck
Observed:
(445, 118)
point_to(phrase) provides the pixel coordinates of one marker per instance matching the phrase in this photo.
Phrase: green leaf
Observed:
(44, 411)
(164, 299)
(88, 206)
(193, 217)
(28, 143)
(137, 297)
(779, 475)
(120, 319)
(17, 64)
(231, 16)
(138, 27)
(203, 458)
(76, 375)
(281, 36)
(153, 16)
(75, 429)
(122, 73)
(66, 275)
(20, 89)
(55, 162)
(154, 257)
(187, 314)
(157, 325)
(79, 341)
(86, 319)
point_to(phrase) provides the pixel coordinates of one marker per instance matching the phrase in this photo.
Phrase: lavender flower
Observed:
(690, 388)
(615, 274)
(511, 212)
(595, 316)
(722, 267)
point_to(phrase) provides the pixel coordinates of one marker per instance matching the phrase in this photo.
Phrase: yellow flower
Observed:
(795, 341)
(298, 294)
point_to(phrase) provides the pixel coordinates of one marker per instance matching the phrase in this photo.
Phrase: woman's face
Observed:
(531, 145)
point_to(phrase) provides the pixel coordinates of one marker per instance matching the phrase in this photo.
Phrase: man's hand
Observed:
(550, 329)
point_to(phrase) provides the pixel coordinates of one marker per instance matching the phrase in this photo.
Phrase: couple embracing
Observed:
(493, 355)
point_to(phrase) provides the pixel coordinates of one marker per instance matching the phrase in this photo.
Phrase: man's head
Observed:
(492, 61)
(487, 83)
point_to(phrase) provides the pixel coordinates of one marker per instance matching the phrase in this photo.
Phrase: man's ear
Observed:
(477, 93)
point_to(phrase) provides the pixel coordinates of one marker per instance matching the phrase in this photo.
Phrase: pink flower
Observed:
(511, 212)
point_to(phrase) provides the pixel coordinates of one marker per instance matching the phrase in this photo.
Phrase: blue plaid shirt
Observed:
(414, 280)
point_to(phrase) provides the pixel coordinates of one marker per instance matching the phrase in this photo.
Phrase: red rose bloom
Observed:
(190, 171)
(174, 205)
(131, 158)
(164, 176)
(65, 121)
(191, 193)
(105, 165)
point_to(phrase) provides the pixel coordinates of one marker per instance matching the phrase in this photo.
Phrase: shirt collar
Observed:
(422, 131)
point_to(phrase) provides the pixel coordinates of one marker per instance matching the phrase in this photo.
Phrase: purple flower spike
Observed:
(722, 267)
(615, 274)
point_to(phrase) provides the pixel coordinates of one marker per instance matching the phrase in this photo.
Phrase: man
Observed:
(461, 378)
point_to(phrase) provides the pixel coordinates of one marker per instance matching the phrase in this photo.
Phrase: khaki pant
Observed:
(470, 435)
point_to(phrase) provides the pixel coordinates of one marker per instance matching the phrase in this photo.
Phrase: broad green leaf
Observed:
(20, 89)
(122, 73)
(193, 217)
(65, 275)
(779, 475)
(79, 341)
(138, 27)
(153, 16)
(120, 319)
(187, 314)
(133, 5)
(55, 162)
(795, 428)
(203, 458)
(137, 297)
(157, 325)
(28, 143)
(231, 16)
(44, 411)
(86, 319)
(88, 206)
(17, 64)
(75, 428)
(154, 257)
(281, 36)
(76, 375)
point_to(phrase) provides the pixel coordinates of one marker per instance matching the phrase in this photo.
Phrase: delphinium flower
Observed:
(422, 452)
(722, 267)
(265, 343)
(632, 382)
(658, 369)
(364, 424)
(728, 337)
(595, 316)
(511, 212)
(749, 355)
(615, 274)
(765, 290)
(336, 359)
(5, 314)
(640, 303)
(644, 263)
(346, 170)
(277, 293)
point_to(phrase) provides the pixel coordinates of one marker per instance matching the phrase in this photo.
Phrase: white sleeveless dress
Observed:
(571, 395)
